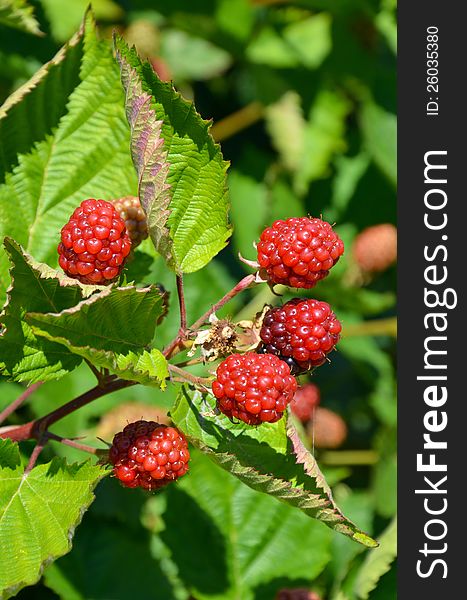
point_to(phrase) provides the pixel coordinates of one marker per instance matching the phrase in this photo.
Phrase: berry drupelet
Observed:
(254, 388)
(299, 252)
(301, 332)
(94, 243)
(149, 455)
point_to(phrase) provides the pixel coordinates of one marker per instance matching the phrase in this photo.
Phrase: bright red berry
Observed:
(149, 455)
(375, 248)
(254, 388)
(131, 211)
(304, 402)
(299, 252)
(301, 332)
(95, 243)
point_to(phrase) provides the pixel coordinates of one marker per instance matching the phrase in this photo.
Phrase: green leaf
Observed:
(267, 458)
(214, 506)
(112, 329)
(98, 547)
(33, 110)
(311, 39)
(9, 454)
(377, 563)
(181, 172)
(379, 130)
(39, 288)
(86, 156)
(248, 197)
(205, 60)
(64, 22)
(286, 126)
(19, 15)
(324, 137)
(349, 171)
(43, 508)
(306, 42)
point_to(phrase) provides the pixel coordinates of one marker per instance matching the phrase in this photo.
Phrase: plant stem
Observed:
(72, 443)
(189, 377)
(181, 303)
(36, 429)
(17, 403)
(35, 455)
(349, 457)
(375, 327)
(237, 121)
(241, 285)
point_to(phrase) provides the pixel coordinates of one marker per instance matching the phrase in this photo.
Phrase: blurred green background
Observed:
(303, 98)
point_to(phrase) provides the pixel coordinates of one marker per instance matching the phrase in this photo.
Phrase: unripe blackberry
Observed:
(327, 429)
(302, 332)
(95, 243)
(299, 252)
(131, 211)
(305, 401)
(254, 388)
(375, 248)
(149, 455)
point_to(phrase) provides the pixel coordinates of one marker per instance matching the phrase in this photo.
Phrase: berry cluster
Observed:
(131, 211)
(299, 252)
(95, 243)
(301, 332)
(306, 399)
(375, 248)
(149, 455)
(254, 388)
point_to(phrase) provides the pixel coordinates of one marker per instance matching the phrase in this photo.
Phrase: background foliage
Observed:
(310, 90)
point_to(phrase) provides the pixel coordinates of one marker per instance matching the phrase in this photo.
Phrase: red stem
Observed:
(35, 429)
(17, 403)
(71, 443)
(241, 285)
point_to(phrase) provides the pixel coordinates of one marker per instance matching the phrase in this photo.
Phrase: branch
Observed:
(203, 381)
(241, 119)
(17, 403)
(36, 429)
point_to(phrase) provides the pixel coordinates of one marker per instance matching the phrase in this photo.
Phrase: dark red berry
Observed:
(95, 243)
(304, 402)
(149, 455)
(254, 388)
(131, 211)
(299, 252)
(375, 248)
(296, 594)
(302, 330)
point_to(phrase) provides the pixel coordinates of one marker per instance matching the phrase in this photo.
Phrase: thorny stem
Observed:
(237, 121)
(17, 403)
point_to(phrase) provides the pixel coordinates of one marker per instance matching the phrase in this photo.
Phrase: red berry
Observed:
(304, 402)
(301, 332)
(296, 594)
(95, 243)
(327, 429)
(149, 455)
(254, 388)
(299, 252)
(375, 248)
(131, 211)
